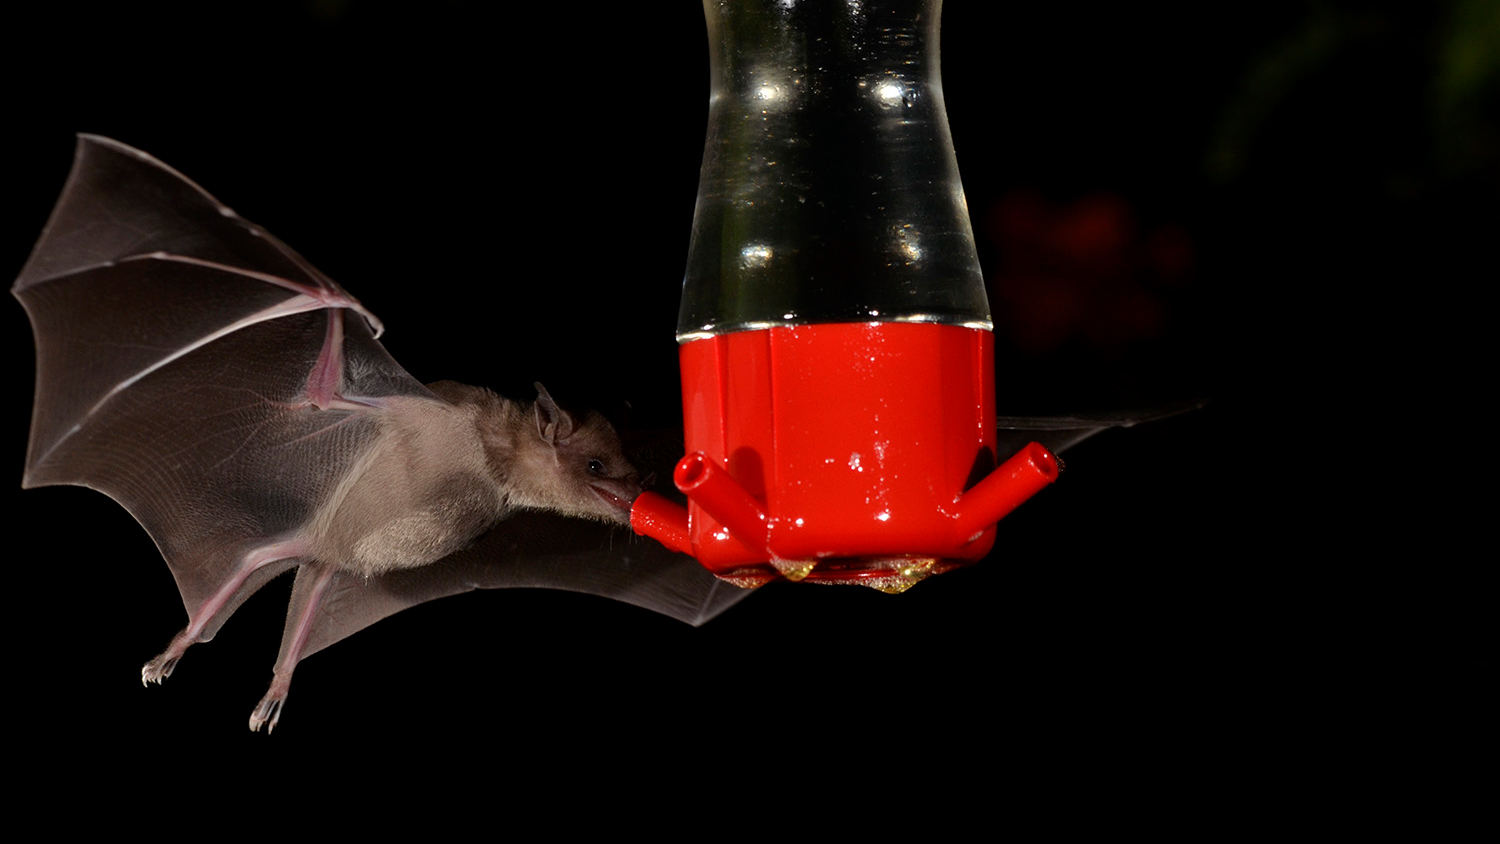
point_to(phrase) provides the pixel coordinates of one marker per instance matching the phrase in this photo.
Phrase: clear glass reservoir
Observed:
(829, 190)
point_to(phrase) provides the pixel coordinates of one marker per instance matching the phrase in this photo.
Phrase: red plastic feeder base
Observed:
(847, 452)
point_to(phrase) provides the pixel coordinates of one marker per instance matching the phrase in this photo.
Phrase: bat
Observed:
(237, 402)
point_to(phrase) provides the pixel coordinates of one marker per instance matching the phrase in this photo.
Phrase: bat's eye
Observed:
(596, 468)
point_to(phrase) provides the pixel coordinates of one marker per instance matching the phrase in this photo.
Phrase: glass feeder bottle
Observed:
(835, 336)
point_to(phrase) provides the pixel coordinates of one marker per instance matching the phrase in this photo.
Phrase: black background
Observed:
(440, 163)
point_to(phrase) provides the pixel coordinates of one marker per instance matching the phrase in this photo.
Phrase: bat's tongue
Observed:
(620, 496)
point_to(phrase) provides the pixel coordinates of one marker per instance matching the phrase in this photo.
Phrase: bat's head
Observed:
(584, 471)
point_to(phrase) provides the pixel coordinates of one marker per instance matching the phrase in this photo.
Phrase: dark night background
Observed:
(1165, 201)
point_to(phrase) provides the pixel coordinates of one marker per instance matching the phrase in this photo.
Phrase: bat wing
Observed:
(182, 355)
(211, 381)
(1060, 433)
(549, 553)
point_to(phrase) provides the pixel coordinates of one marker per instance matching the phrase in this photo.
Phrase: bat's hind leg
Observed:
(312, 584)
(204, 620)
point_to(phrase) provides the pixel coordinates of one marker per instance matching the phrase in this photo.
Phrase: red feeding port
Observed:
(845, 452)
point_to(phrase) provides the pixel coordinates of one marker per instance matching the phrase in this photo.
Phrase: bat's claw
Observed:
(267, 712)
(160, 668)
(269, 708)
(157, 670)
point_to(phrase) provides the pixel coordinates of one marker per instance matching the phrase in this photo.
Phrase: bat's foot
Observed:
(161, 667)
(269, 708)
(266, 713)
(157, 670)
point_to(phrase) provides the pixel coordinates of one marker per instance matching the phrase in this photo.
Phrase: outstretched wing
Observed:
(206, 377)
(188, 364)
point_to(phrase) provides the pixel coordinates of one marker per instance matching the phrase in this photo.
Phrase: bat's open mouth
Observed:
(613, 498)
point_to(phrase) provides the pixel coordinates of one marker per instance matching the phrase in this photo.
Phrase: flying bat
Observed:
(238, 404)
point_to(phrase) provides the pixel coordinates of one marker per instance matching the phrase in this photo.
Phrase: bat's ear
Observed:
(553, 423)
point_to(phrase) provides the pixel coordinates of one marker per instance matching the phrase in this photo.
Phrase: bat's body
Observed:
(236, 401)
(441, 472)
(437, 474)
